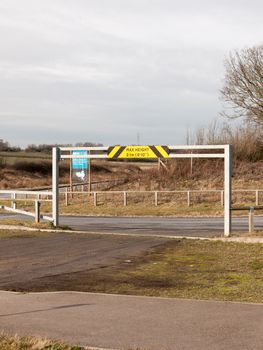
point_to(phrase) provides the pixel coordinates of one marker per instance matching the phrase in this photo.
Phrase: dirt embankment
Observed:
(175, 175)
(24, 174)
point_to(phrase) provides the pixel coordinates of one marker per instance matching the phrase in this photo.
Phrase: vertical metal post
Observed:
(257, 197)
(156, 198)
(227, 189)
(37, 211)
(95, 198)
(251, 220)
(188, 198)
(55, 188)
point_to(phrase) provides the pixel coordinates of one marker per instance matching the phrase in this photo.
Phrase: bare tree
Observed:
(243, 86)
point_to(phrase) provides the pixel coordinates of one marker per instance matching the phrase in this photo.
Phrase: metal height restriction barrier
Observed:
(147, 152)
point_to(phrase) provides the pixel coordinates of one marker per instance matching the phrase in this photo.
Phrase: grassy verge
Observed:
(33, 343)
(79, 206)
(27, 223)
(32, 224)
(182, 269)
(18, 233)
(139, 209)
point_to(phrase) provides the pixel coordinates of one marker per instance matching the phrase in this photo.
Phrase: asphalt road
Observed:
(190, 226)
(203, 227)
(128, 322)
(26, 261)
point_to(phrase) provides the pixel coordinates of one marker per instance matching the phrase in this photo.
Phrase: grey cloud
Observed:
(103, 71)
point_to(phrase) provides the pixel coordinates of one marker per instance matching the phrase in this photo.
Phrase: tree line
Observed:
(43, 148)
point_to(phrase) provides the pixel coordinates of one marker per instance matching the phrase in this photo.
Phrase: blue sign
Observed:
(79, 163)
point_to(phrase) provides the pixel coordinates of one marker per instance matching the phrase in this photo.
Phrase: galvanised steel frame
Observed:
(213, 151)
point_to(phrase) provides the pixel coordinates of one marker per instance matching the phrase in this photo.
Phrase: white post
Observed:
(125, 198)
(37, 211)
(156, 198)
(257, 197)
(66, 196)
(188, 198)
(95, 198)
(55, 188)
(227, 189)
(14, 201)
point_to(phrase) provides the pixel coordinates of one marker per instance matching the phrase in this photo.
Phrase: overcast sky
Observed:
(106, 70)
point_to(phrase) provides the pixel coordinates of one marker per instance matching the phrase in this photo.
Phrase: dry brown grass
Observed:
(33, 343)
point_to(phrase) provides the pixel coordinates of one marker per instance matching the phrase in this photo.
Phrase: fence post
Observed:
(188, 198)
(125, 198)
(95, 198)
(251, 220)
(222, 198)
(37, 211)
(14, 201)
(66, 196)
(257, 197)
(156, 198)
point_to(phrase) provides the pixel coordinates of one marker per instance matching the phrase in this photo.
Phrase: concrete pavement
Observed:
(122, 322)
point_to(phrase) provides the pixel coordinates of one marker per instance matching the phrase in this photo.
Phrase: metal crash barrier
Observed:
(251, 215)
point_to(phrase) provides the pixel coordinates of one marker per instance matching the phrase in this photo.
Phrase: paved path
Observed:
(25, 262)
(122, 322)
(206, 227)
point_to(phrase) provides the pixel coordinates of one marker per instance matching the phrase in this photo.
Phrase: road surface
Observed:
(28, 262)
(128, 322)
(190, 226)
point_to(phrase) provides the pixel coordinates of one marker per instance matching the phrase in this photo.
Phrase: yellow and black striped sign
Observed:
(122, 152)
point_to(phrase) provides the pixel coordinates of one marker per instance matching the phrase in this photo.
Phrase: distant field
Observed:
(12, 157)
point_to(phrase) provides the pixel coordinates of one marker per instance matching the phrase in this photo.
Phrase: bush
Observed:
(43, 167)
(246, 140)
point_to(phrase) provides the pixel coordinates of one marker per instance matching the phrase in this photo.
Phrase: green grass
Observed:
(33, 343)
(203, 270)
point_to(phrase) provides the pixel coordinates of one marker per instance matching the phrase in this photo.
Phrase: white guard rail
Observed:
(14, 196)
